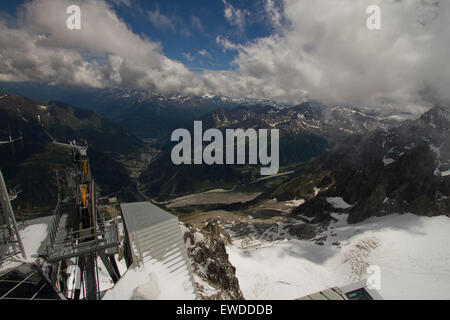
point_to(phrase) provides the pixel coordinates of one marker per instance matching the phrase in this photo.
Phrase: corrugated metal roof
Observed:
(155, 235)
(355, 291)
(140, 215)
(329, 294)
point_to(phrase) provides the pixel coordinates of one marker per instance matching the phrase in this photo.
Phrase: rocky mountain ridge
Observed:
(214, 275)
(306, 131)
(404, 169)
(30, 162)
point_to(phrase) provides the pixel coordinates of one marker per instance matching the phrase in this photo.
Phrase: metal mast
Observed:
(9, 231)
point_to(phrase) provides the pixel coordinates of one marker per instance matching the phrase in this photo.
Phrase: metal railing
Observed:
(85, 240)
(63, 242)
(55, 223)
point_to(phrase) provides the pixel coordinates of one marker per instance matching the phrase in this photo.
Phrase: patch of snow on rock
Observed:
(388, 161)
(338, 203)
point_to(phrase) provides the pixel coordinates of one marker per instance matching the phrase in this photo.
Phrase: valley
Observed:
(281, 256)
(350, 185)
(312, 231)
(224, 150)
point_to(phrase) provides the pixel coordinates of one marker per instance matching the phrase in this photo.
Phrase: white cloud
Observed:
(274, 13)
(204, 53)
(226, 44)
(235, 16)
(326, 52)
(105, 52)
(320, 50)
(198, 56)
(159, 20)
(126, 3)
(197, 24)
(188, 56)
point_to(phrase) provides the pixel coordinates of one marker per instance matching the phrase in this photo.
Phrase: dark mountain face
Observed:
(30, 162)
(154, 116)
(306, 131)
(56, 120)
(143, 113)
(330, 123)
(377, 164)
(404, 169)
(163, 180)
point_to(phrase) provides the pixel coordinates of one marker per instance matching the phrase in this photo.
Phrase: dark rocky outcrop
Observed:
(396, 171)
(303, 231)
(213, 272)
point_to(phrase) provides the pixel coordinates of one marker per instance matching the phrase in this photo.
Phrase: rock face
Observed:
(303, 231)
(214, 275)
(404, 169)
(306, 131)
(31, 162)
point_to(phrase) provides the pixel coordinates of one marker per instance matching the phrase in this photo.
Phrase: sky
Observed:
(283, 50)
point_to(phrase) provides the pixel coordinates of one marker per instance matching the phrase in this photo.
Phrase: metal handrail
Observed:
(54, 225)
(73, 238)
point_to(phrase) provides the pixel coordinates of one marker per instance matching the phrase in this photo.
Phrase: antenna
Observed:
(11, 140)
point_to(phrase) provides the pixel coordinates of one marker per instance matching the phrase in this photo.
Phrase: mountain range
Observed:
(30, 162)
(375, 162)
(402, 169)
(306, 131)
(145, 114)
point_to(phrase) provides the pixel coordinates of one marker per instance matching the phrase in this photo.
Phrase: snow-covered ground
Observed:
(151, 281)
(32, 237)
(412, 252)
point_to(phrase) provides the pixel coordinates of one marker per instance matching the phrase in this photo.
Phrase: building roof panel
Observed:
(155, 237)
(141, 215)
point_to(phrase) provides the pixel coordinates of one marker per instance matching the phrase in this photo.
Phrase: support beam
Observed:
(114, 264)
(79, 279)
(91, 280)
(9, 213)
(111, 266)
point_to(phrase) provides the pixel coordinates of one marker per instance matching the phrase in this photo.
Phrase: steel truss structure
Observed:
(79, 232)
(10, 240)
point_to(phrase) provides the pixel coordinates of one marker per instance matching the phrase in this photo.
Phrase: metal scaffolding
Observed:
(79, 229)
(10, 240)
